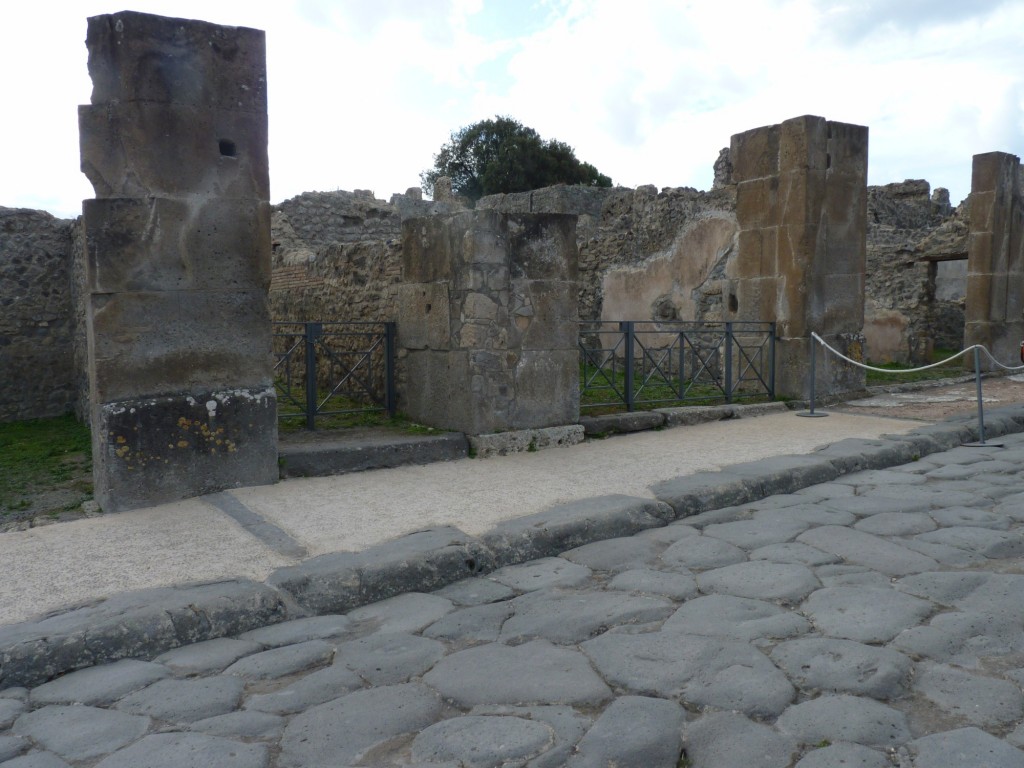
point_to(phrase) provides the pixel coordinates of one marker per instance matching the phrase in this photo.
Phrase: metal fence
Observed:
(636, 363)
(332, 369)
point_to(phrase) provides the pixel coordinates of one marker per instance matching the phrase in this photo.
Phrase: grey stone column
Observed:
(995, 258)
(801, 204)
(488, 321)
(177, 259)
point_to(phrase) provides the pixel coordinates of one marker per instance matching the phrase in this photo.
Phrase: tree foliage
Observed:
(503, 155)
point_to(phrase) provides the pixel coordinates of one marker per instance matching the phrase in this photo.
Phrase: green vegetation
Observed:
(45, 467)
(949, 370)
(351, 413)
(600, 398)
(503, 155)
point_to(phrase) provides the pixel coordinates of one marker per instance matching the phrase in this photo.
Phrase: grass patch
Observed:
(949, 370)
(40, 457)
(597, 399)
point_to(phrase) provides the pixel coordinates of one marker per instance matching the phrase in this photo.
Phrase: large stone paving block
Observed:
(963, 747)
(845, 718)
(865, 549)
(134, 624)
(164, 244)
(728, 740)
(535, 672)
(146, 451)
(148, 149)
(99, 685)
(735, 618)
(972, 698)
(81, 733)
(701, 671)
(843, 666)
(188, 750)
(160, 343)
(572, 525)
(865, 614)
(142, 57)
(478, 740)
(633, 732)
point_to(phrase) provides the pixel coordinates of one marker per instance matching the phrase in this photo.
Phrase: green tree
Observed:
(503, 155)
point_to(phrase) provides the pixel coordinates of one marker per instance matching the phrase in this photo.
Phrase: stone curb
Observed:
(684, 416)
(320, 459)
(145, 623)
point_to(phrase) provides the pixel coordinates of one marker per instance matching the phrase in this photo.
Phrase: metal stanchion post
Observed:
(811, 414)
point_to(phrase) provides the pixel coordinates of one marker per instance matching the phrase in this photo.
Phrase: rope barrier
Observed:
(977, 349)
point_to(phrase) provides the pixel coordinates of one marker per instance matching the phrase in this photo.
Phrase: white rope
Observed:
(1004, 367)
(838, 353)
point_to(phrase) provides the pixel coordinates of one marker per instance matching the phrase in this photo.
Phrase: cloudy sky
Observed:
(364, 92)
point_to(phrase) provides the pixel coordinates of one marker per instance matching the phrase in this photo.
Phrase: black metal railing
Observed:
(642, 363)
(333, 368)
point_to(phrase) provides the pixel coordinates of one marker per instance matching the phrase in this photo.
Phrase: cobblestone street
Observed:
(871, 621)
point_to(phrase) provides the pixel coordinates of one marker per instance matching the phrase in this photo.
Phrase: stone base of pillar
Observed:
(833, 376)
(155, 450)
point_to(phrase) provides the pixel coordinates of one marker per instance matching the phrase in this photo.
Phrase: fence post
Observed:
(390, 396)
(771, 374)
(313, 331)
(981, 407)
(626, 326)
(728, 362)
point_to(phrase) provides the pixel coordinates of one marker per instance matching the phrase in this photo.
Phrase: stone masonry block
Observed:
(755, 154)
(982, 208)
(835, 303)
(140, 149)
(437, 392)
(554, 322)
(159, 343)
(141, 57)
(754, 299)
(161, 244)
(801, 195)
(146, 450)
(547, 388)
(542, 246)
(757, 203)
(848, 148)
(757, 253)
(427, 249)
(991, 171)
(802, 144)
(424, 321)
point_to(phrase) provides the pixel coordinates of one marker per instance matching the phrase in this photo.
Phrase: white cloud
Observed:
(362, 94)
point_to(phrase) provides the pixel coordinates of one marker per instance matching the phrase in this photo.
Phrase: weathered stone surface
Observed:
(535, 672)
(37, 760)
(616, 554)
(793, 552)
(845, 718)
(963, 637)
(865, 549)
(541, 574)
(736, 618)
(476, 624)
(865, 614)
(572, 525)
(761, 580)
(343, 730)
(983, 541)
(9, 711)
(727, 740)
(750, 534)
(299, 631)
(183, 701)
(633, 732)
(542, 614)
(282, 661)
(965, 746)
(983, 701)
(479, 741)
(844, 755)
(207, 657)
(475, 591)
(80, 732)
(410, 612)
(12, 746)
(843, 666)
(188, 750)
(700, 552)
(675, 585)
(389, 658)
(697, 670)
(99, 685)
(309, 690)
(897, 524)
(567, 724)
(242, 725)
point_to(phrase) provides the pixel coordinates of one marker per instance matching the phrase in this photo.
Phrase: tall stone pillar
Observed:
(178, 259)
(995, 257)
(801, 204)
(488, 321)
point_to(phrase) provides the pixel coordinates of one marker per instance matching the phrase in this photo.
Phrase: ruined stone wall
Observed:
(37, 321)
(644, 254)
(912, 304)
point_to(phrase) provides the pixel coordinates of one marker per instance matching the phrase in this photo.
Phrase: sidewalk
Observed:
(52, 567)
